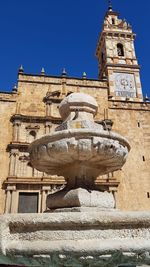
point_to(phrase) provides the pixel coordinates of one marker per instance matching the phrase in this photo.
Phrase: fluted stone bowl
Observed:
(79, 153)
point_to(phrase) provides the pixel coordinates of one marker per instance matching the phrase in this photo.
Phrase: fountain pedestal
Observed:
(81, 200)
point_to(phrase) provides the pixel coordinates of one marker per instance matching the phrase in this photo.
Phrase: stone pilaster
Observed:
(11, 203)
(14, 203)
(48, 126)
(13, 162)
(16, 130)
(48, 108)
(8, 200)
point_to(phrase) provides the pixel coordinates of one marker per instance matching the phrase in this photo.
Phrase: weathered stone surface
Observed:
(81, 198)
(56, 238)
(79, 152)
(78, 102)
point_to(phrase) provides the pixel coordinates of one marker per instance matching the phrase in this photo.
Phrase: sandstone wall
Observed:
(7, 109)
(35, 106)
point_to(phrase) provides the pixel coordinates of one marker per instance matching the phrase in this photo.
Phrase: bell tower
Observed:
(117, 59)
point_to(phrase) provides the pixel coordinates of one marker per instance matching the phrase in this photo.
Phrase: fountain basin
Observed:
(79, 153)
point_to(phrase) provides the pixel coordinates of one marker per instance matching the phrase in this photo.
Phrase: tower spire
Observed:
(110, 5)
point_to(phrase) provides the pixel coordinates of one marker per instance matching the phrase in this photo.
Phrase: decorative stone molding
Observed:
(8, 97)
(32, 127)
(52, 97)
(53, 184)
(16, 123)
(53, 94)
(24, 158)
(130, 105)
(22, 147)
(35, 119)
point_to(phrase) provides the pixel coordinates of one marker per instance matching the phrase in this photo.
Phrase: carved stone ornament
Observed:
(33, 127)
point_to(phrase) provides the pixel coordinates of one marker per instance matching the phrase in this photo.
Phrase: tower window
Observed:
(148, 195)
(113, 21)
(120, 50)
(143, 158)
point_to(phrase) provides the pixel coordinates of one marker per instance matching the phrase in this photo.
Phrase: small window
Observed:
(113, 21)
(148, 195)
(120, 50)
(143, 158)
(139, 124)
(28, 202)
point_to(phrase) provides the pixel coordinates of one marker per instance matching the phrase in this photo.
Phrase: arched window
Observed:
(113, 21)
(120, 50)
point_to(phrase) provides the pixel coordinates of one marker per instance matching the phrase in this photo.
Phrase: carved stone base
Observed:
(80, 198)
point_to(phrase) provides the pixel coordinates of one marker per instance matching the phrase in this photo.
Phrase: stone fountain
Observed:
(80, 150)
(82, 227)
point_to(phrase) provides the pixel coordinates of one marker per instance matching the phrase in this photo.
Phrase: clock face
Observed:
(125, 85)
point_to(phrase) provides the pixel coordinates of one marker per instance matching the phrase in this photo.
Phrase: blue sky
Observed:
(63, 33)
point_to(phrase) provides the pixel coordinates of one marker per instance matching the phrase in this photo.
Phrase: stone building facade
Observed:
(31, 110)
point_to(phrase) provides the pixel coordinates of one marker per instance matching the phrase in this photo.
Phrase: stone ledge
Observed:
(38, 239)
